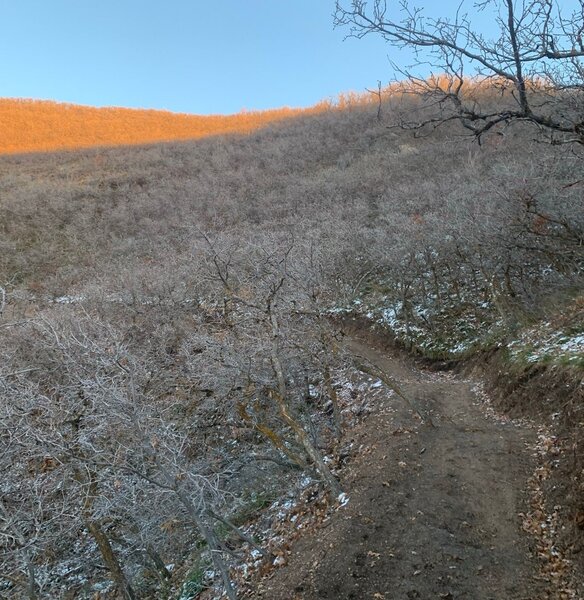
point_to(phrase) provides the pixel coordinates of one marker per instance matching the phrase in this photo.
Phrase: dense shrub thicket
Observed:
(166, 321)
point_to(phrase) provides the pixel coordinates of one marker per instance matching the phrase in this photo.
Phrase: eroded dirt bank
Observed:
(433, 511)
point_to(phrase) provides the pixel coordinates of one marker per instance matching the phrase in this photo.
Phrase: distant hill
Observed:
(42, 125)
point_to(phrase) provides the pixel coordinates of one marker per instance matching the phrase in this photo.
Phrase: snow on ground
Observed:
(546, 344)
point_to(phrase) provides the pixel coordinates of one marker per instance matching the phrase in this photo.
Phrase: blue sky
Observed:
(198, 56)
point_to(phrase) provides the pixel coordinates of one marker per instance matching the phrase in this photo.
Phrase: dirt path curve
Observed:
(433, 511)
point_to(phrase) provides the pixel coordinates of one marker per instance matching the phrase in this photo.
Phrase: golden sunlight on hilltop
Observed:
(44, 125)
(41, 125)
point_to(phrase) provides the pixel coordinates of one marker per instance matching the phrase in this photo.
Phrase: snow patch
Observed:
(343, 499)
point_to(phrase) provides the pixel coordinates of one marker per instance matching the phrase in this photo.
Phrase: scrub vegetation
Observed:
(171, 357)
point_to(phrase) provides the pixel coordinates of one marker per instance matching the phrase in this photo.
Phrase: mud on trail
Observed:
(433, 510)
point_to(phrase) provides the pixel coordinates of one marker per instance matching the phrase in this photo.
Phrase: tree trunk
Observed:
(212, 542)
(100, 537)
(239, 533)
(110, 559)
(332, 394)
(31, 578)
(299, 431)
(158, 562)
(272, 436)
(309, 447)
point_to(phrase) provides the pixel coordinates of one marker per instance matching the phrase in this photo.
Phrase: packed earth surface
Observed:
(438, 493)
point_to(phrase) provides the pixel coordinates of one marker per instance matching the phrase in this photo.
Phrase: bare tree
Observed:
(83, 442)
(265, 301)
(534, 58)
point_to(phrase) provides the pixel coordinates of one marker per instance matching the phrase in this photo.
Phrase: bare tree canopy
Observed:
(534, 56)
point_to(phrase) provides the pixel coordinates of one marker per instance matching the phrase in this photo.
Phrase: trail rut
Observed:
(433, 511)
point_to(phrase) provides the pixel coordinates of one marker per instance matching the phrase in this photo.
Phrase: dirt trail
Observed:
(433, 511)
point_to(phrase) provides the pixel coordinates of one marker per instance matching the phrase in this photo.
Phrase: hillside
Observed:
(41, 125)
(179, 399)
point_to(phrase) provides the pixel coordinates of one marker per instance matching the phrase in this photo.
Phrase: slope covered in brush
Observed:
(40, 126)
(166, 333)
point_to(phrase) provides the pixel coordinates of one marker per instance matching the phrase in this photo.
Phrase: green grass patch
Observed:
(195, 581)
